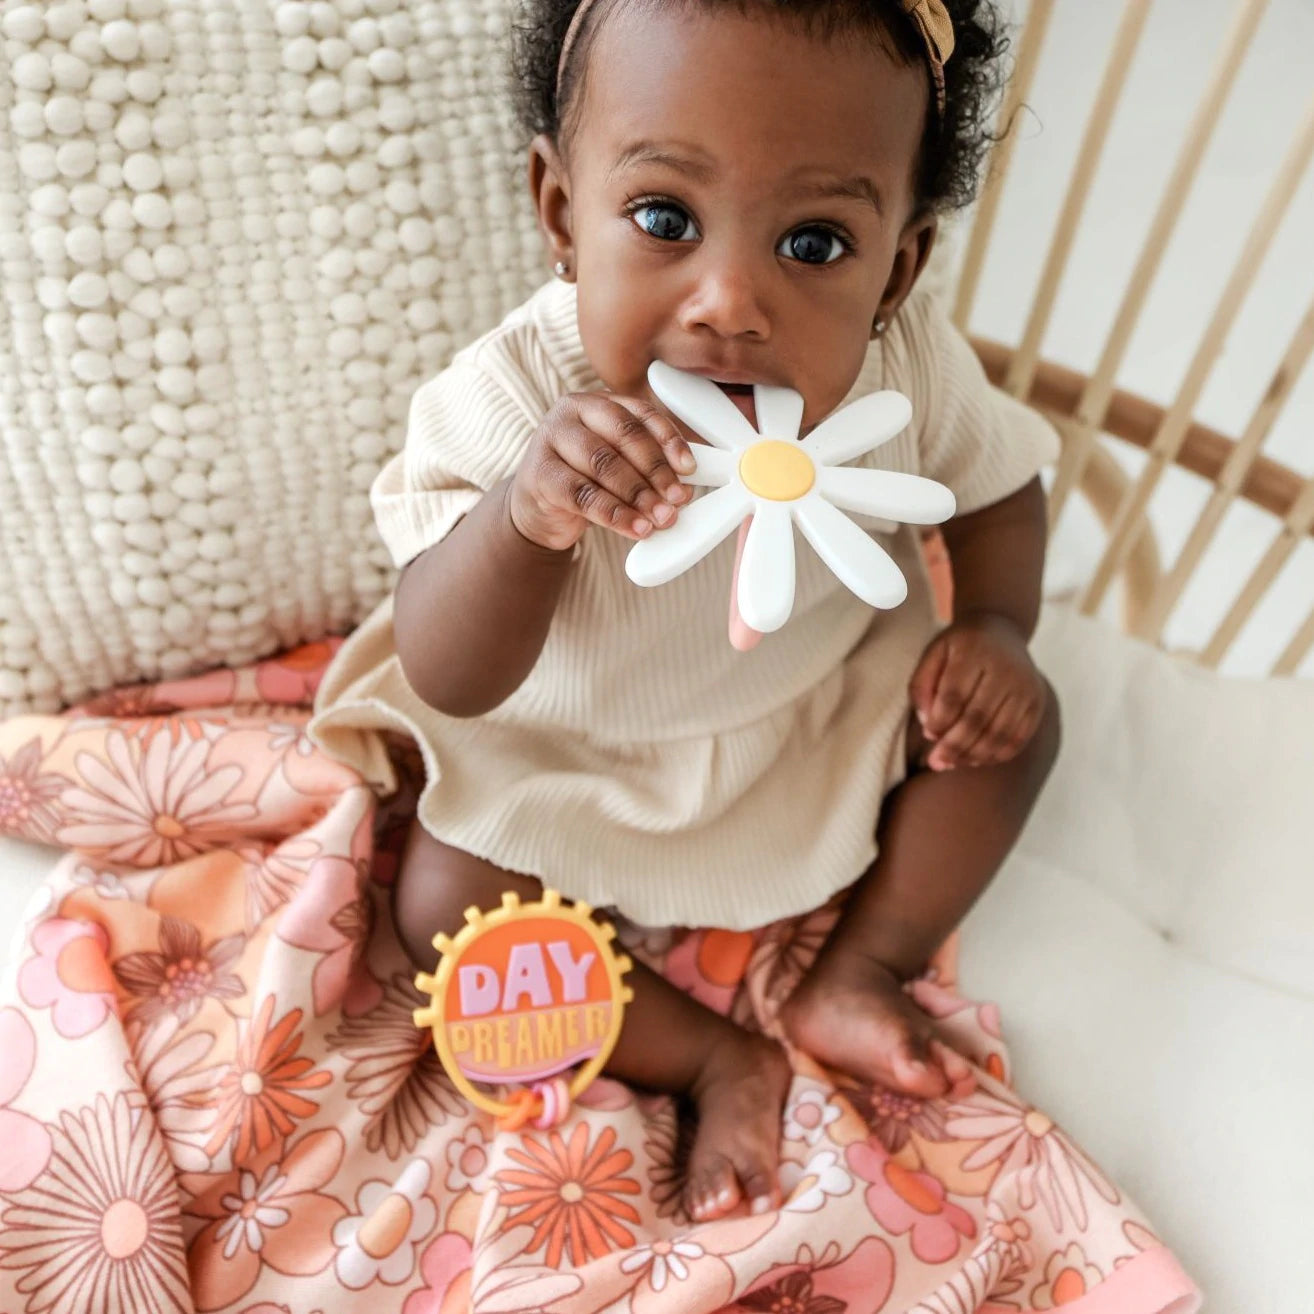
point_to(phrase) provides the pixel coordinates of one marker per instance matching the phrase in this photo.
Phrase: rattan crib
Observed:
(1091, 412)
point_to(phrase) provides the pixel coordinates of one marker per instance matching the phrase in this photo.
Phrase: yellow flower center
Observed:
(572, 1192)
(777, 471)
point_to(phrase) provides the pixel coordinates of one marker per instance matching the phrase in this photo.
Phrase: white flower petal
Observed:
(700, 527)
(714, 467)
(860, 427)
(887, 494)
(779, 411)
(702, 406)
(395, 1268)
(766, 572)
(413, 1180)
(861, 564)
(233, 1241)
(355, 1268)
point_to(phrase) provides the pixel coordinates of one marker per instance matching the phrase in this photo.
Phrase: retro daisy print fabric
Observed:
(213, 1097)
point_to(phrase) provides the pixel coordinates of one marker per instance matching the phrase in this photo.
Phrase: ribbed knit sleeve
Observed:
(463, 433)
(974, 438)
(467, 430)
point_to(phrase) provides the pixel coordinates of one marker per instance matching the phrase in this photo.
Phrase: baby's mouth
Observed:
(742, 396)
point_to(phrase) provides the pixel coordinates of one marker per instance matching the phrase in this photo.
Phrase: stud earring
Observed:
(878, 327)
(561, 269)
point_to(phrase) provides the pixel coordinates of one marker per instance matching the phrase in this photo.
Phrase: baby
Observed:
(747, 190)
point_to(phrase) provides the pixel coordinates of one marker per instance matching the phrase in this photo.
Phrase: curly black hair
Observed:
(953, 145)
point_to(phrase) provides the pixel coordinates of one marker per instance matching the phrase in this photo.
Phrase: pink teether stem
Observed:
(742, 635)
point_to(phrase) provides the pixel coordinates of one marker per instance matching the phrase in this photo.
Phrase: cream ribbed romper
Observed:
(646, 765)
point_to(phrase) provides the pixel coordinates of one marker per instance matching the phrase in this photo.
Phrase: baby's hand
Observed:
(604, 459)
(977, 693)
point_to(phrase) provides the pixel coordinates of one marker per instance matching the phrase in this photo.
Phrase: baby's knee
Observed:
(434, 887)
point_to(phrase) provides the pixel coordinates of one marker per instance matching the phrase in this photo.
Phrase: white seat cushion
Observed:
(1151, 947)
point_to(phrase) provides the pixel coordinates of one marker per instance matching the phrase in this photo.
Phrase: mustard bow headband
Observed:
(930, 17)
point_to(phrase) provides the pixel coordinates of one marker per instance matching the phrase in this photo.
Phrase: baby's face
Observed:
(739, 193)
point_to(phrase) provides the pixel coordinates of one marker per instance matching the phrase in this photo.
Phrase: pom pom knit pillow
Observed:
(235, 236)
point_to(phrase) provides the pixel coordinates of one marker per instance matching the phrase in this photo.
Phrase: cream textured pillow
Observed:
(235, 236)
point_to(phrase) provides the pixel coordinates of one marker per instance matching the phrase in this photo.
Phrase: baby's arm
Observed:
(977, 694)
(472, 612)
(998, 556)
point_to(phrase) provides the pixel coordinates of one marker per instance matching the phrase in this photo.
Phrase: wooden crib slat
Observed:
(1230, 479)
(1132, 24)
(1024, 72)
(1295, 651)
(1295, 526)
(1095, 400)
(1169, 438)
(1103, 486)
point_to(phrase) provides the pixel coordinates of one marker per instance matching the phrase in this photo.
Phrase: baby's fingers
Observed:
(995, 743)
(979, 750)
(952, 747)
(925, 681)
(954, 692)
(648, 440)
(962, 1080)
(569, 488)
(1007, 734)
(594, 479)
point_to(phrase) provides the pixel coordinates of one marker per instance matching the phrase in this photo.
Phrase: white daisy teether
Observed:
(768, 474)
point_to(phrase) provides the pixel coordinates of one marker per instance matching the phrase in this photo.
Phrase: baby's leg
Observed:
(942, 837)
(669, 1042)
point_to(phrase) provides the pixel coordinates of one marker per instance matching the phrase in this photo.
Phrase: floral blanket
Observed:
(213, 1097)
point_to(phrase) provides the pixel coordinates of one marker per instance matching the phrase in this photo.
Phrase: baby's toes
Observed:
(915, 1067)
(712, 1187)
(962, 1079)
(757, 1177)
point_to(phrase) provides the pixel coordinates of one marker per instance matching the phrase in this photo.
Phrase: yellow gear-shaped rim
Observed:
(478, 924)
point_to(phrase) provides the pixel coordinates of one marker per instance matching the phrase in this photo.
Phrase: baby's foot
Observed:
(736, 1150)
(851, 1014)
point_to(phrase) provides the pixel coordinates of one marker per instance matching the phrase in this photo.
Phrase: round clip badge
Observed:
(521, 995)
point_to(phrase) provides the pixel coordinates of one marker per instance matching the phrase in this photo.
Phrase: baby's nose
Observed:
(727, 300)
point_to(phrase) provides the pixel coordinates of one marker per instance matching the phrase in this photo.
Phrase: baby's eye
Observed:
(664, 220)
(813, 246)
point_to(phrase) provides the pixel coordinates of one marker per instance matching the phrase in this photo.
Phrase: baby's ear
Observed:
(549, 192)
(914, 250)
